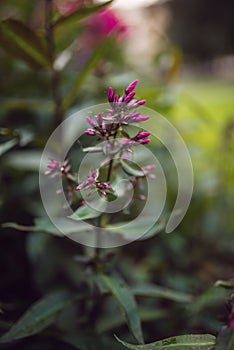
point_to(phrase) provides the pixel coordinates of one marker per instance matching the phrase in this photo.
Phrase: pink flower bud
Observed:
(131, 87)
(116, 98)
(102, 191)
(106, 185)
(141, 197)
(142, 135)
(99, 118)
(93, 173)
(150, 167)
(110, 94)
(91, 122)
(140, 102)
(91, 179)
(131, 117)
(144, 141)
(129, 97)
(90, 132)
(142, 118)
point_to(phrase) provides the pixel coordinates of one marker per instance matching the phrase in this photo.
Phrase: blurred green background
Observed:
(182, 53)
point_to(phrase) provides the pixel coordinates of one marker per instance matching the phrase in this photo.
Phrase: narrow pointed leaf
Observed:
(80, 13)
(45, 225)
(23, 43)
(144, 226)
(4, 147)
(225, 284)
(85, 212)
(38, 317)
(127, 303)
(154, 291)
(97, 54)
(92, 149)
(10, 137)
(131, 169)
(182, 342)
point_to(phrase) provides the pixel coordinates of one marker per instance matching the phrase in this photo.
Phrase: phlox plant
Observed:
(111, 129)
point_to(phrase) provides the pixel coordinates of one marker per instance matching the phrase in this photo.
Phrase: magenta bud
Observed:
(131, 87)
(131, 117)
(150, 167)
(79, 187)
(142, 135)
(102, 192)
(116, 98)
(144, 141)
(142, 118)
(110, 94)
(106, 185)
(141, 197)
(99, 118)
(51, 166)
(129, 97)
(91, 179)
(90, 132)
(91, 122)
(93, 173)
(140, 102)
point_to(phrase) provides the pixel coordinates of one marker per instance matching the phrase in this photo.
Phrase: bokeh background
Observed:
(182, 52)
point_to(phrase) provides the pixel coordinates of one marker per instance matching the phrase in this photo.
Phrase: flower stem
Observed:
(110, 170)
(112, 159)
(55, 76)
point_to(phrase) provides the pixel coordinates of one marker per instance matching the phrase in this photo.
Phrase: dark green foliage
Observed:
(57, 294)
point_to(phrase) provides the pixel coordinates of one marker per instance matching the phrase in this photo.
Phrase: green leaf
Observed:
(92, 149)
(146, 314)
(153, 291)
(225, 339)
(182, 342)
(4, 147)
(225, 284)
(23, 43)
(97, 54)
(24, 159)
(80, 13)
(10, 138)
(38, 317)
(131, 169)
(144, 226)
(127, 303)
(85, 212)
(45, 225)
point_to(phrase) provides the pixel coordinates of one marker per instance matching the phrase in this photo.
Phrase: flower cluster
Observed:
(127, 99)
(100, 127)
(117, 146)
(108, 127)
(121, 114)
(56, 168)
(93, 183)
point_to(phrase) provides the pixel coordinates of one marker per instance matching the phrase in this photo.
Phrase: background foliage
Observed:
(166, 282)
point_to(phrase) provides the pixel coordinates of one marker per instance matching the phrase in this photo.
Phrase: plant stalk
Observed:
(55, 76)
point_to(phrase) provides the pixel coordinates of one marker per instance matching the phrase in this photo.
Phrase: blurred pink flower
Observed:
(100, 24)
(104, 22)
(65, 7)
